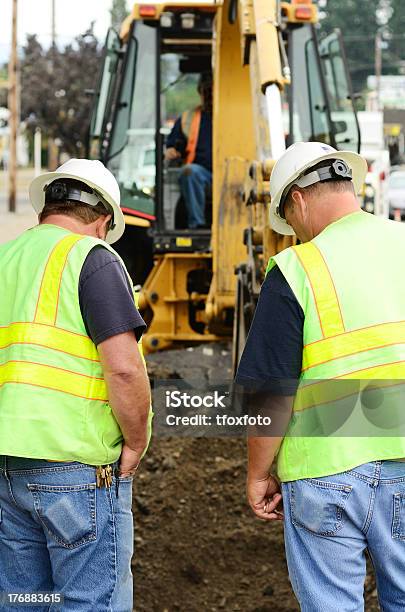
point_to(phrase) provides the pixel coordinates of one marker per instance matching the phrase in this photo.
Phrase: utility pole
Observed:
(52, 151)
(53, 25)
(378, 66)
(13, 108)
(37, 151)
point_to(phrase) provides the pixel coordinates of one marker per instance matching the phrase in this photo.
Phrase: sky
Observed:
(73, 17)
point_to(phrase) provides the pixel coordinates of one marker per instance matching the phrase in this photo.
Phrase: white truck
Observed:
(373, 148)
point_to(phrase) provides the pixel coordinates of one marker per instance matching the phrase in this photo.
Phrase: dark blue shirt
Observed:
(272, 357)
(178, 140)
(105, 297)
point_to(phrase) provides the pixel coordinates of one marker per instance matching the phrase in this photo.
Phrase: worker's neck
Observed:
(71, 224)
(334, 207)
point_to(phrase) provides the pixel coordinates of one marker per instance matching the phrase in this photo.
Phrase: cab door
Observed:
(343, 114)
(131, 142)
(103, 97)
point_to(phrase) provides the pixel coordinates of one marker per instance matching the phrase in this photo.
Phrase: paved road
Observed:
(12, 224)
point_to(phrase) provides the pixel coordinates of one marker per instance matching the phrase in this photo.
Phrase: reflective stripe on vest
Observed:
(47, 305)
(337, 343)
(57, 379)
(49, 337)
(353, 342)
(324, 292)
(43, 332)
(319, 393)
(190, 125)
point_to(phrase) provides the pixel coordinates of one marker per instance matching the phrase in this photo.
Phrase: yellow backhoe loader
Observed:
(274, 83)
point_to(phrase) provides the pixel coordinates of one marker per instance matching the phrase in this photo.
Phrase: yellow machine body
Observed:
(248, 57)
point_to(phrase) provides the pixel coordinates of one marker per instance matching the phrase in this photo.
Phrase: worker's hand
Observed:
(264, 497)
(129, 461)
(172, 154)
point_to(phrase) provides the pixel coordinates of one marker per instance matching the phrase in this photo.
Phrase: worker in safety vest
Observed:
(325, 357)
(74, 398)
(191, 141)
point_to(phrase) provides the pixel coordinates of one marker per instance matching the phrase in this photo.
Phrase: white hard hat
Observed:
(94, 174)
(298, 158)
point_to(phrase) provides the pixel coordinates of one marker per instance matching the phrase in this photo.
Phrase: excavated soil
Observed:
(198, 547)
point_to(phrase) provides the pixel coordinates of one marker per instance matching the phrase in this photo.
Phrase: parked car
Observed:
(396, 195)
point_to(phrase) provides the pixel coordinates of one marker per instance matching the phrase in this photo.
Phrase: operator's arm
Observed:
(176, 142)
(128, 394)
(268, 373)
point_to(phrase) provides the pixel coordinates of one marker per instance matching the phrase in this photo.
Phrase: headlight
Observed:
(369, 191)
(187, 20)
(167, 19)
(369, 207)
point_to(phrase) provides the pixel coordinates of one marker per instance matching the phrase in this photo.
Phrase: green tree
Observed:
(118, 12)
(394, 60)
(358, 21)
(3, 88)
(53, 89)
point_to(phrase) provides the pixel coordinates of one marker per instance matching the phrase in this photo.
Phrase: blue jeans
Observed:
(194, 181)
(331, 521)
(61, 534)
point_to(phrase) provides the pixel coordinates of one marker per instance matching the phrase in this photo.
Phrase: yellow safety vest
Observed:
(348, 408)
(53, 398)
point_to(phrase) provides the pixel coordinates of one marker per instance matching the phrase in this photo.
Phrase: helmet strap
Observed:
(59, 192)
(337, 171)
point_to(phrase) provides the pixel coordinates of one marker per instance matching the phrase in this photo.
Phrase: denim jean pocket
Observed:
(398, 522)
(318, 505)
(67, 512)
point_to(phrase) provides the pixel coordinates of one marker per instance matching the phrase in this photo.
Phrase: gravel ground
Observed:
(198, 547)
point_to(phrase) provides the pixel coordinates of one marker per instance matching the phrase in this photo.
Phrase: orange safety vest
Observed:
(190, 125)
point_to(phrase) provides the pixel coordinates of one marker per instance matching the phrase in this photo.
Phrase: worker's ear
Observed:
(298, 202)
(102, 226)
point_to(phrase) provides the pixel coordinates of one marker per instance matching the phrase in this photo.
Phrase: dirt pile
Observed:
(198, 547)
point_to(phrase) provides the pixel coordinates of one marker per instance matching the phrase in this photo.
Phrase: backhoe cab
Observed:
(273, 84)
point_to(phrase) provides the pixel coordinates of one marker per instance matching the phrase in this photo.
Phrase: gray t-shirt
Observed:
(105, 297)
